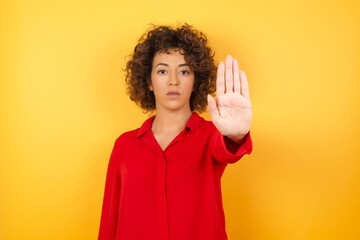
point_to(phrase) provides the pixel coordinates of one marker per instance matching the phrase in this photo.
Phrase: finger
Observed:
(220, 85)
(229, 82)
(244, 85)
(212, 109)
(236, 77)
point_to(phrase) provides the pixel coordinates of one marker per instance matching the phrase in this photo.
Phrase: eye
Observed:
(184, 72)
(161, 71)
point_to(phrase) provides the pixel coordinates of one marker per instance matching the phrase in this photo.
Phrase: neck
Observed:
(170, 121)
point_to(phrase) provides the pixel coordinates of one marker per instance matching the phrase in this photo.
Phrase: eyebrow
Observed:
(180, 65)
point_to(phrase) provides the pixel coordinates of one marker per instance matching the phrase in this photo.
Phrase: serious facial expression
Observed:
(172, 81)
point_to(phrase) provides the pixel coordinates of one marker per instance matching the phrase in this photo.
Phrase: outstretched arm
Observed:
(231, 112)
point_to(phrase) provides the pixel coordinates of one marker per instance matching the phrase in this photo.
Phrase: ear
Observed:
(151, 88)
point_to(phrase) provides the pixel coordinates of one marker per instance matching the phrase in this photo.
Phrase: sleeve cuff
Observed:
(228, 151)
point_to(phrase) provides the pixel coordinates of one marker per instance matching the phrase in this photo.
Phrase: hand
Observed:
(231, 112)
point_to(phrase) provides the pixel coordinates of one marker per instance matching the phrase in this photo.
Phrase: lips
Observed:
(173, 94)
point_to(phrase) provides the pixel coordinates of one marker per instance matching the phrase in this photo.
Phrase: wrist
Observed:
(237, 138)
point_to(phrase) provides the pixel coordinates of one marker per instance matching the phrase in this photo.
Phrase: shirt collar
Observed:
(193, 121)
(191, 124)
(146, 126)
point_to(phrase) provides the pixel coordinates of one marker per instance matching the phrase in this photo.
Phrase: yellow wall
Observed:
(63, 104)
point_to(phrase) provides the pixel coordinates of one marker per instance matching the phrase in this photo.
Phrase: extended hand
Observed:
(231, 112)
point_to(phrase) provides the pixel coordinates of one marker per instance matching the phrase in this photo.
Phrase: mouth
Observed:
(173, 94)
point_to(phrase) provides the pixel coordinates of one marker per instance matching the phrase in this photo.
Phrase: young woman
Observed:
(163, 179)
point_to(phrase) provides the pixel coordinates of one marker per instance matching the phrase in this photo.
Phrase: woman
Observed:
(163, 179)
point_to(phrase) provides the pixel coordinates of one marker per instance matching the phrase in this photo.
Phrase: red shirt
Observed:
(172, 194)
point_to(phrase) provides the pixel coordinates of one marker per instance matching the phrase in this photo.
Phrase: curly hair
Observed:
(191, 43)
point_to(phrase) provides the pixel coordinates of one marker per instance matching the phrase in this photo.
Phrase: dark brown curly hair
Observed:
(191, 43)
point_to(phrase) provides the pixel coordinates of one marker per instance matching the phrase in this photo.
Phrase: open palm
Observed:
(231, 112)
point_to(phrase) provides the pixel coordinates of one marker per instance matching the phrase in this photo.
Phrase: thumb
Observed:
(212, 109)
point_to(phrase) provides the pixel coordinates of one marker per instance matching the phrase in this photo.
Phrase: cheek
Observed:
(156, 84)
(153, 81)
(189, 85)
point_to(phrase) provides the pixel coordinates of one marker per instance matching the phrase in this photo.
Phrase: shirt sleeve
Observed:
(226, 151)
(110, 208)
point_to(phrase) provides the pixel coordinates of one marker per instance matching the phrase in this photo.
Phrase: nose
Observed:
(173, 81)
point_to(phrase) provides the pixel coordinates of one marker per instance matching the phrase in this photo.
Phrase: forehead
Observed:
(169, 56)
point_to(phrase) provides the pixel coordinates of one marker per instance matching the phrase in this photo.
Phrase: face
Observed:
(172, 81)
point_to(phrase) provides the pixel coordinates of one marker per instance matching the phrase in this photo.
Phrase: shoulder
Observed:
(126, 141)
(199, 123)
(127, 136)
(132, 136)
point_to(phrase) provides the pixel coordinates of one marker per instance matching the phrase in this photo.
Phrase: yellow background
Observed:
(63, 103)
